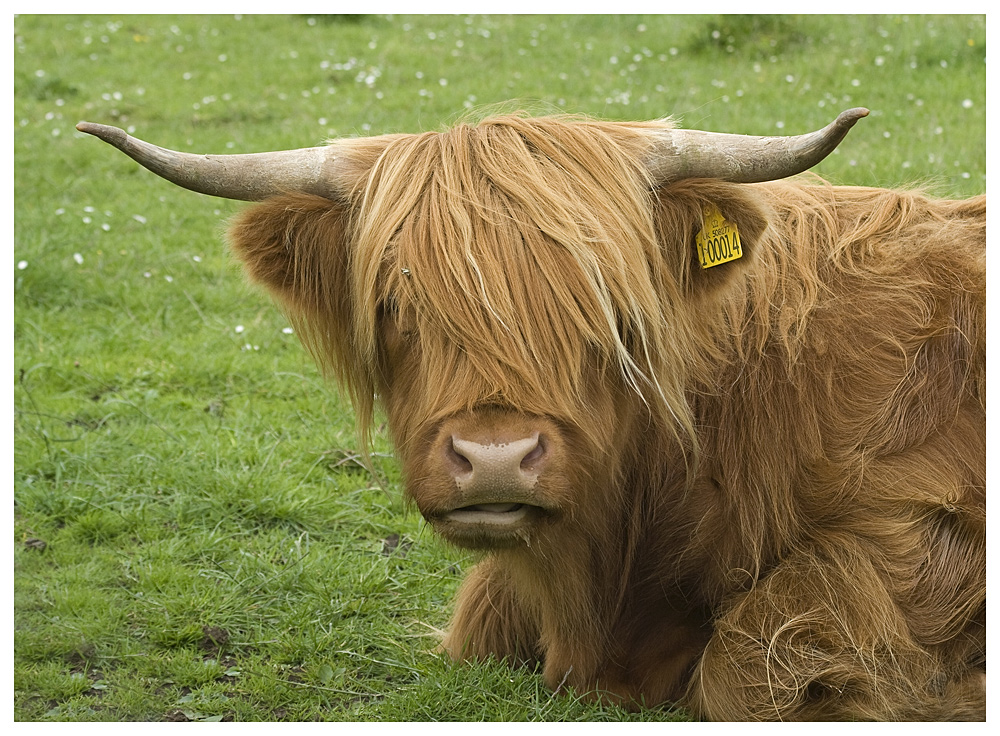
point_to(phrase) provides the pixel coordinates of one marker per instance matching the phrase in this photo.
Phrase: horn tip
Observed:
(850, 117)
(108, 133)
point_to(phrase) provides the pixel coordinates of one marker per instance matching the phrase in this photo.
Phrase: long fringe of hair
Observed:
(529, 243)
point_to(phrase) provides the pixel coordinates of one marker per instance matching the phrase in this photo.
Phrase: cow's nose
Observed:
(496, 470)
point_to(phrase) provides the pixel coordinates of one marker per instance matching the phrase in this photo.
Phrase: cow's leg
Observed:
(820, 639)
(490, 620)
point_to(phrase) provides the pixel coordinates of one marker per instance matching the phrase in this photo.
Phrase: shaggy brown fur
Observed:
(764, 489)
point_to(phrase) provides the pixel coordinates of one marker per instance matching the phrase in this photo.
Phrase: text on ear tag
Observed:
(719, 240)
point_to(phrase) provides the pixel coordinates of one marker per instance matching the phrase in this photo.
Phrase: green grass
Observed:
(194, 538)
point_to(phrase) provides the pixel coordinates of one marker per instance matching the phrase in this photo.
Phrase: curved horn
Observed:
(744, 159)
(248, 176)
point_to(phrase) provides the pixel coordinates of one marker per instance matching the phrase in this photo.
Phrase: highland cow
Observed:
(719, 435)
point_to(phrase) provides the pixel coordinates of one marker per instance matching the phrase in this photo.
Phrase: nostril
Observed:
(534, 456)
(461, 465)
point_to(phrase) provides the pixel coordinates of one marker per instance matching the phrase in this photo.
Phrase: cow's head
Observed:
(521, 297)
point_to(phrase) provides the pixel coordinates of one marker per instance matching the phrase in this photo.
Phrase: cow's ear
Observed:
(295, 246)
(709, 231)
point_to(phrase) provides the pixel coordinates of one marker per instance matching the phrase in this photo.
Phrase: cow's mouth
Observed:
(489, 525)
(490, 513)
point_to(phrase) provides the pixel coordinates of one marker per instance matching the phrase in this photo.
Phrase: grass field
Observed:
(194, 537)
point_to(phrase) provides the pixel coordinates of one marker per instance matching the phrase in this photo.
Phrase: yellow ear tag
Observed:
(719, 240)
